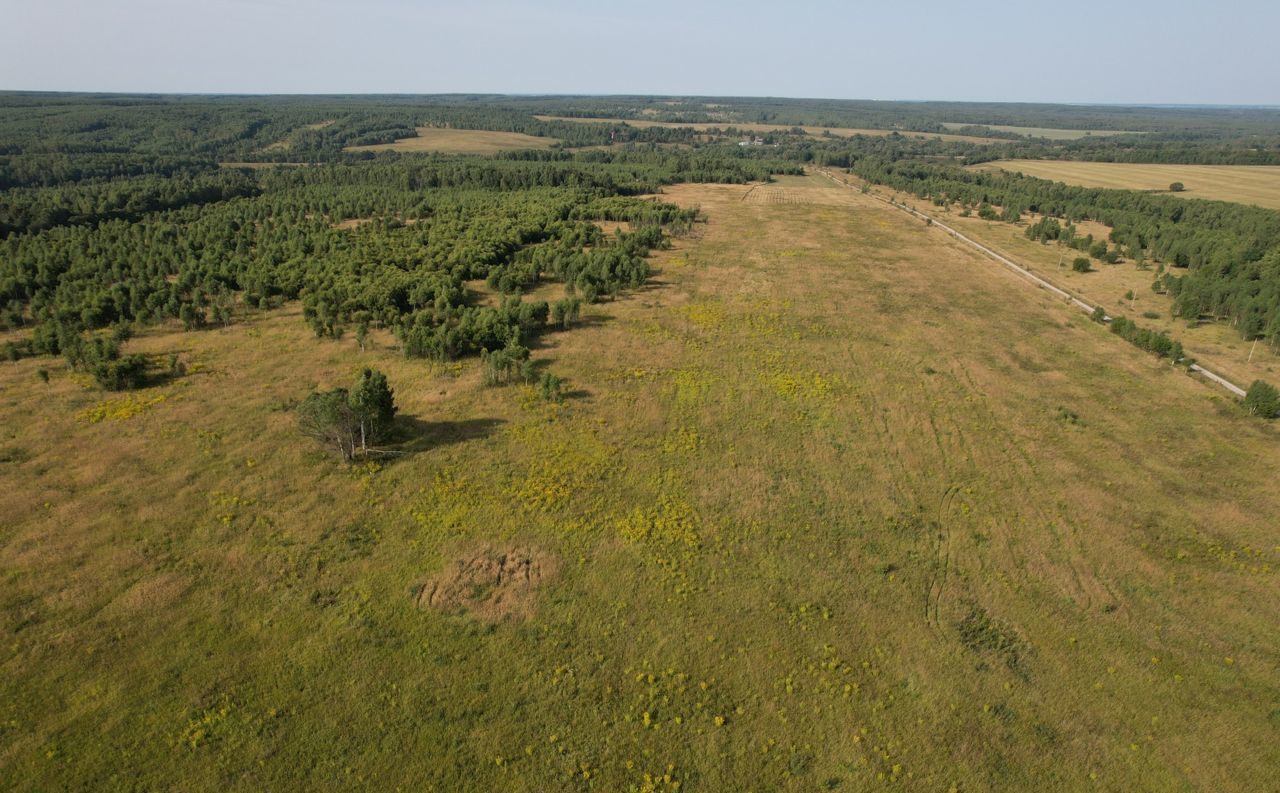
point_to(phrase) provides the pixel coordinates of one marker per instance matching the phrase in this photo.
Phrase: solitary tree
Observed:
(1176, 187)
(348, 421)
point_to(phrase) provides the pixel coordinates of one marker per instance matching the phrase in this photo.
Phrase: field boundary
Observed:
(1043, 283)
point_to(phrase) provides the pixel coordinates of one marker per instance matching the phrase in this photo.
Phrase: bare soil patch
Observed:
(490, 584)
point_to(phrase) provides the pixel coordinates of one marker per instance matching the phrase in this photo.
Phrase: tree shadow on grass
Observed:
(412, 435)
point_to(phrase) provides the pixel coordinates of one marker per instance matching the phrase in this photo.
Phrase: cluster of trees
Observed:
(437, 224)
(1050, 229)
(100, 356)
(506, 365)
(91, 254)
(1152, 341)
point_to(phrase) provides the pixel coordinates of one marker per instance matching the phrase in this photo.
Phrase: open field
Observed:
(1048, 132)
(1216, 345)
(843, 132)
(834, 503)
(1245, 184)
(462, 141)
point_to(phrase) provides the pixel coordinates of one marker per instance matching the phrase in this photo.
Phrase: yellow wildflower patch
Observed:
(671, 522)
(118, 409)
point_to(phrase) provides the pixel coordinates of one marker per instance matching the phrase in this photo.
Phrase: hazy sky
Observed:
(1174, 51)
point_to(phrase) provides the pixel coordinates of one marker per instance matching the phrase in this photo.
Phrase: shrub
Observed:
(120, 374)
(1080, 264)
(551, 387)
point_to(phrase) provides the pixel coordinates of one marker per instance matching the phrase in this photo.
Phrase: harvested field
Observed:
(1245, 184)
(1048, 132)
(462, 141)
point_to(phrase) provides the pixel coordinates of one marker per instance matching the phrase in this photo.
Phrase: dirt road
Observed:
(1030, 276)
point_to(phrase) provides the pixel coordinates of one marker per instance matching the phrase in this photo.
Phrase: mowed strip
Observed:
(461, 141)
(1245, 184)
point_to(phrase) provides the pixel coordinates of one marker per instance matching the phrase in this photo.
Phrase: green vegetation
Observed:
(1263, 399)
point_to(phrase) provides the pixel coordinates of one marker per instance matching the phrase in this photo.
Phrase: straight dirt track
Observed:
(1030, 276)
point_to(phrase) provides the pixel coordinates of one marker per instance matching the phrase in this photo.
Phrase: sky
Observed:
(1122, 51)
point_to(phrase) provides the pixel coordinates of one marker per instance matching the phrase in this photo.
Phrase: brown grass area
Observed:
(462, 141)
(490, 584)
(1245, 184)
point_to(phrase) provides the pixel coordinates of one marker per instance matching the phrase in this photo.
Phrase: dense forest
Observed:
(392, 241)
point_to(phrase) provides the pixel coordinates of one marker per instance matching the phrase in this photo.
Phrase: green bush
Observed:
(1262, 399)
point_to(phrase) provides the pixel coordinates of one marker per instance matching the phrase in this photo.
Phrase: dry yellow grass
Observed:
(1245, 184)
(753, 127)
(837, 503)
(462, 141)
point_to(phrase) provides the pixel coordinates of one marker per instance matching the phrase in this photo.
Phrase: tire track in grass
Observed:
(942, 560)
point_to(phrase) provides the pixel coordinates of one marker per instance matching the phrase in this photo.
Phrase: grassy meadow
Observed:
(1244, 184)
(1215, 344)
(461, 141)
(833, 503)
